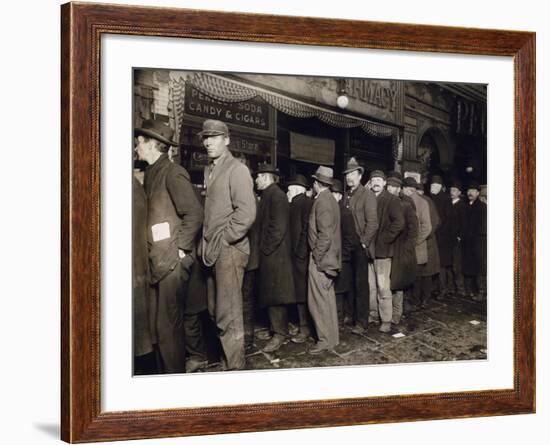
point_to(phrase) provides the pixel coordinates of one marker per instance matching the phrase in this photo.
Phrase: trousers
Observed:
(321, 301)
(225, 303)
(380, 289)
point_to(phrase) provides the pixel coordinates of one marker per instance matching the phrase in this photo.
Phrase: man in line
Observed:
(230, 210)
(424, 229)
(174, 218)
(403, 267)
(443, 235)
(325, 261)
(276, 289)
(300, 208)
(344, 283)
(458, 221)
(391, 222)
(362, 203)
(474, 243)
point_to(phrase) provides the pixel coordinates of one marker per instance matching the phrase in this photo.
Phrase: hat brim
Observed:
(323, 179)
(349, 170)
(205, 133)
(297, 183)
(273, 172)
(154, 135)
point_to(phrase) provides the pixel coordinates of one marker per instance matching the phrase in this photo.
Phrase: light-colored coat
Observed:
(424, 227)
(229, 207)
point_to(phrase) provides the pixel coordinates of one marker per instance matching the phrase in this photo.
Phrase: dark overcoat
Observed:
(390, 223)
(174, 216)
(433, 266)
(324, 234)
(276, 277)
(363, 206)
(143, 342)
(300, 207)
(444, 235)
(474, 238)
(403, 266)
(350, 240)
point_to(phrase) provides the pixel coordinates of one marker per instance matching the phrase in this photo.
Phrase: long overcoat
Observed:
(276, 277)
(363, 206)
(350, 240)
(433, 266)
(424, 227)
(390, 223)
(324, 234)
(403, 266)
(300, 207)
(444, 233)
(474, 241)
(143, 341)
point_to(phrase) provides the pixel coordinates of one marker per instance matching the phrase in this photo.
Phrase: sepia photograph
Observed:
(284, 221)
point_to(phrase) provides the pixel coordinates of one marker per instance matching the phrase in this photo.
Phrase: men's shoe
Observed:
(373, 319)
(395, 321)
(318, 349)
(347, 321)
(477, 297)
(385, 327)
(264, 334)
(275, 343)
(299, 338)
(195, 365)
(293, 329)
(358, 330)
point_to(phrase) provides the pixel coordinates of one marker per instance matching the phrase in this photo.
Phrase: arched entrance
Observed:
(434, 153)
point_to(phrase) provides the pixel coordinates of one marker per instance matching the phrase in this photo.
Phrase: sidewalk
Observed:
(452, 329)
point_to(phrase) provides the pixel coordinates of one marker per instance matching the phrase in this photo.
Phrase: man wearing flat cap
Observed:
(391, 222)
(362, 203)
(276, 289)
(325, 242)
(229, 212)
(299, 210)
(474, 245)
(174, 219)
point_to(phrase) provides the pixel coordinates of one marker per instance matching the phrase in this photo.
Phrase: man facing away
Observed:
(229, 211)
(325, 261)
(174, 218)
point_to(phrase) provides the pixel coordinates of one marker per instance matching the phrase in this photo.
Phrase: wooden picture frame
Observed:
(82, 26)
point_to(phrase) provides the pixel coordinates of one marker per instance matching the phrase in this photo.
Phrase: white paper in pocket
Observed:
(161, 231)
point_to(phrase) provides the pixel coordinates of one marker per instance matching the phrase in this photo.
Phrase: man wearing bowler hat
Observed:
(362, 203)
(276, 278)
(299, 209)
(229, 211)
(174, 219)
(458, 222)
(325, 242)
(474, 244)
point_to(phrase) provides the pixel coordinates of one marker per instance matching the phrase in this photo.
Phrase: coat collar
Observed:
(217, 166)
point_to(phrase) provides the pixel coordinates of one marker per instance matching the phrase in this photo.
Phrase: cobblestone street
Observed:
(450, 329)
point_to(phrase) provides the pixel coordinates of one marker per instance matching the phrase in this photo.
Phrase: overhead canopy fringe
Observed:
(228, 90)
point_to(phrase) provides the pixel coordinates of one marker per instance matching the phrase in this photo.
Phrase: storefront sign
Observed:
(253, 113)
(311, 149)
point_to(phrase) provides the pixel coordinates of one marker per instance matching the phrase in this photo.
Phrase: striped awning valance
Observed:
(229, 90)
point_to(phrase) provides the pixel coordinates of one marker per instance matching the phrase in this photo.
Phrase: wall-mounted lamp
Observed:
(342, 101)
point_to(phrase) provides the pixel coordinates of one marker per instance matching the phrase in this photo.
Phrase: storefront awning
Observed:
(229, 90)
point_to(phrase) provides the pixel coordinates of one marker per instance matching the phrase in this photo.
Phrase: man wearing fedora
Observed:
(276, 278)
(410, 189)
(325, 242)
(391, 222)
(362, 203)
(474, 243)
(299, 210)
(229, 211)
(174, 219)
